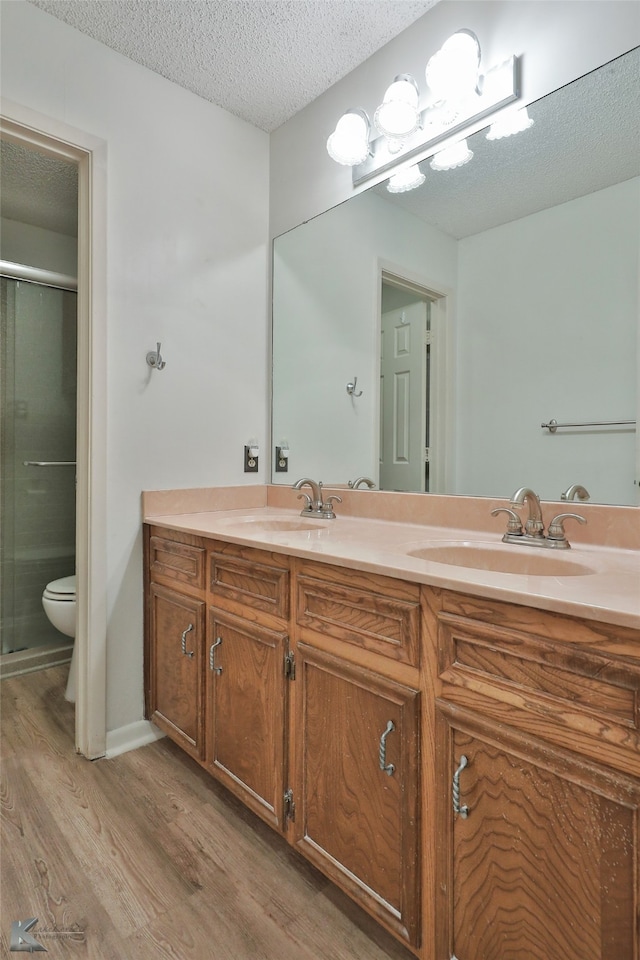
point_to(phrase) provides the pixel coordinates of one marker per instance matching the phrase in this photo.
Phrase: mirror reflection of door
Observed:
(404, 389)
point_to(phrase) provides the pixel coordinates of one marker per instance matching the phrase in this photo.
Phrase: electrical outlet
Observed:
(250, 463)
(282, 463)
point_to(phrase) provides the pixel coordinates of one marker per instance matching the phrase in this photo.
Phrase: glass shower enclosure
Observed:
(37, 454)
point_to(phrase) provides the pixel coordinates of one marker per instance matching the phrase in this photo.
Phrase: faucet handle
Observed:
(307, 506)
(556, 531)
(514, 524)
(327, 507)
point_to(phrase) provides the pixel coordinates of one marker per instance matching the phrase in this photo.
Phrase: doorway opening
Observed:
(412, 385)
(49, 138)
(38, 334)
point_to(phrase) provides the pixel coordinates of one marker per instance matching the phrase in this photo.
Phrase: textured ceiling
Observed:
(38, 190)
(262, 61)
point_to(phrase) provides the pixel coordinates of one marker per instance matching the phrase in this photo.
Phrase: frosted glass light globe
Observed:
(452, 72)
(349, 142)
(451, 157)
(407, 179)
(514, 121)
(397, 115)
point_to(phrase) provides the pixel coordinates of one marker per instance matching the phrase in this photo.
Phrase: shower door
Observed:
(37, 455)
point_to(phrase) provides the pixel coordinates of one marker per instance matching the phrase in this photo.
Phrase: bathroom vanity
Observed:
(458, 750)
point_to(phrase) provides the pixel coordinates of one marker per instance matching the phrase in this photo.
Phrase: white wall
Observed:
(558, 40)
(187, 264)
(325, 298)
(36, 247)
(548, 312)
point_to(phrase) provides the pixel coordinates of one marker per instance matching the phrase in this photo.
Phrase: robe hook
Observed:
(351, 388)
(154, 358)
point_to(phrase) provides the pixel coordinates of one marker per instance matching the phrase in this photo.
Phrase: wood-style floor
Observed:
(145, 857)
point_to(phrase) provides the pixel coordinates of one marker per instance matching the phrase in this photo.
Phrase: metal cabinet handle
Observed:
(212, 665)
(462, 810)
(184, 642)
(382, 754)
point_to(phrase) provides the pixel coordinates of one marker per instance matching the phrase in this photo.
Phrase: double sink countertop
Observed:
(598, 581)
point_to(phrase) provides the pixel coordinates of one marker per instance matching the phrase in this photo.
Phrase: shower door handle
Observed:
(49, 463)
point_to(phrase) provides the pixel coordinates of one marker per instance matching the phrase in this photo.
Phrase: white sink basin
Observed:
(499, 558)
(275, 524)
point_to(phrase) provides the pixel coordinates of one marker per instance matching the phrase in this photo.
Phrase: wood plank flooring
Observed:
(145, 857)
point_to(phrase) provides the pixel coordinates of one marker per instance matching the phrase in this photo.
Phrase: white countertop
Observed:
(609, 592)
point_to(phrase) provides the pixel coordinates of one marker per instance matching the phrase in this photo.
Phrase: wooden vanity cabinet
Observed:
(247, 675)
(338, 705)
(174, 638)
(355, 779)
(538, 827)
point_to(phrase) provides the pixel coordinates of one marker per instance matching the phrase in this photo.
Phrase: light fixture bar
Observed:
(499, 87)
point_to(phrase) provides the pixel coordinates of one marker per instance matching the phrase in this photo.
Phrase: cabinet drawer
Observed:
(252, 582)
(554, 679)
(378, 615)
(171, 560)
(540, 669)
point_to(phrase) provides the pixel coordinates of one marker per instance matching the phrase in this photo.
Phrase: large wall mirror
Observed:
(422, 339)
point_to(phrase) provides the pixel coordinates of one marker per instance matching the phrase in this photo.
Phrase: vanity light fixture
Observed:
(458, 96)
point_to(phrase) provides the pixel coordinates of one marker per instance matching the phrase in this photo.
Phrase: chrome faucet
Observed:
(533, 534)
(354, 484)
(315, 505)
(575, 490)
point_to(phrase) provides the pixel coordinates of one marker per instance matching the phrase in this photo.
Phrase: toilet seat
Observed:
(62, 589)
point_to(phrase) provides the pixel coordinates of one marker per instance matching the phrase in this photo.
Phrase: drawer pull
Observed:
(184, 642)
(464, 809)
(212, 665)
(382, 756)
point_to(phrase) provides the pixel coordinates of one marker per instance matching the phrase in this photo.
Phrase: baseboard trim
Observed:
(35, 658)
(130, 737)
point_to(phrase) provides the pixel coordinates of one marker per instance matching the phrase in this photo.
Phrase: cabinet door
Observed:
(176, 676)
(356, 790)
(246, 709)
(545, 864)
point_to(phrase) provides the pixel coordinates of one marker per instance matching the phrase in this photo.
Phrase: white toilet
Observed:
(59, 602)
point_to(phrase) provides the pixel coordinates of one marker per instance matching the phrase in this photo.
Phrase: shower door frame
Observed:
(23, 126)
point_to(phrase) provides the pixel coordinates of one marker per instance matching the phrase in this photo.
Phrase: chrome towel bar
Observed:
(49, 463)
(553, 425)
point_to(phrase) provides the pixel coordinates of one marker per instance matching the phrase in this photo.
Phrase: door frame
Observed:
(442, 438)
(23, 126)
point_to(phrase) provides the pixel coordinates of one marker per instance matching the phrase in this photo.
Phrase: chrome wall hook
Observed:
(154, 358)
(351, 388)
